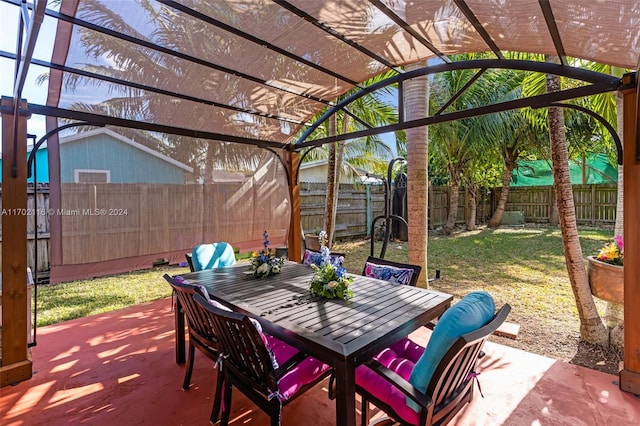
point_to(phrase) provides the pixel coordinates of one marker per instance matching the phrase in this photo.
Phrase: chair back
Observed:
(245, 353)
(189, 258)
(199, 326)
(452, 381)
(395, 272)
(214, 255)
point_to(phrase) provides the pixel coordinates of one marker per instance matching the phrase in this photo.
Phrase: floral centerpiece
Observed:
(330, 279)
(265, 263)
(613, 252)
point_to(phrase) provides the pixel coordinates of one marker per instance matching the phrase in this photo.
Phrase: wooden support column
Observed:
(630, 374)
(295, 229)
(16, 365)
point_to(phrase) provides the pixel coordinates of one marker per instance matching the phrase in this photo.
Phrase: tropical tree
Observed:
(457, 143)
(509, 134)
(370, 152)
(416, 101)
(592, 328)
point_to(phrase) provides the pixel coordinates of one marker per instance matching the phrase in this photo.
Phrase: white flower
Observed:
(262, 268)
(332, 284)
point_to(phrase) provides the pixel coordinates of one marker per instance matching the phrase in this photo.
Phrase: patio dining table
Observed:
(343, 334)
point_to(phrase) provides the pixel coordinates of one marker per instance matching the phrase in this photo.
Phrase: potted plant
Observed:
(312, 240)
(606, 273)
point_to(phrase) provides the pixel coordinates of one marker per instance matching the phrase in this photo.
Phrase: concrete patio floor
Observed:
(119, 369)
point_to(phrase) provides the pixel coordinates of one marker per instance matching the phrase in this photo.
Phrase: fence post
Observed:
(430, 201)
(593, 204)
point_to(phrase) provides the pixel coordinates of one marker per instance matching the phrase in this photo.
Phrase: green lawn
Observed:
(524, 267)
(65, 301)
(520, 266)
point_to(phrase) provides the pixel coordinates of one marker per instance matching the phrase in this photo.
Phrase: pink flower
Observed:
(619, 240)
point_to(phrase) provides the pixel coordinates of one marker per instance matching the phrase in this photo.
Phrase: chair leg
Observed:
(187, 374)
(364, 408)
(226, 410)
(217, 398)
(276, 413)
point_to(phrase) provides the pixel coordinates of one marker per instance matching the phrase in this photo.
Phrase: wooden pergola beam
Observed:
(16, 365)
(630, 373)
(294, 250)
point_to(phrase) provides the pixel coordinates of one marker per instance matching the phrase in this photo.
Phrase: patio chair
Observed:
(189, 258)
(213, 255)
(201, 333)
(394, 272)
(265, 369)
(428, 386)
(312, 257)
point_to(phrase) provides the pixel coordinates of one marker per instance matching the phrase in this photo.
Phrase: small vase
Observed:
(606, 280)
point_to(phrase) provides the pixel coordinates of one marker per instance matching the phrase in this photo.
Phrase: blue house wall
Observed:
(42, 164)
(126, 163)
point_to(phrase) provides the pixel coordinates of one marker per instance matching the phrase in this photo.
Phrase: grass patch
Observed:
(524, 267)
(75, 299)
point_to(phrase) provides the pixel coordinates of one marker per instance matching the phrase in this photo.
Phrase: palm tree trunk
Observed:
(591, 327)
(614, 312)
(454, 187)
(473, 208)
(496, 218)
(619, 229)
(332, 184)
(416, 100)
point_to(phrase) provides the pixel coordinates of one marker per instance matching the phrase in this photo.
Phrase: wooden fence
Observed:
(41, 207)
(595, 204)
(357, 206)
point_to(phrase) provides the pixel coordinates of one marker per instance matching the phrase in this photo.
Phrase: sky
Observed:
(9, 18)
(34, 93)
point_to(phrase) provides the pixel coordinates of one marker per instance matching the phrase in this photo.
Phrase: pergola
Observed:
(256, 73)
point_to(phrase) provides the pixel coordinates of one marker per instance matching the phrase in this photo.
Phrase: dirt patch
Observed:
(567, 348)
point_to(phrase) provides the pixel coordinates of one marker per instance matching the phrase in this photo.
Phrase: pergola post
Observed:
(294, 249)
(630, 374)
(16, 365)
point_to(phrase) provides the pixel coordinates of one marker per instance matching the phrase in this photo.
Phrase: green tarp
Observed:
(597, 170)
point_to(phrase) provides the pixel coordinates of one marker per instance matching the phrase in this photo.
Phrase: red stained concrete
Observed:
(118, 369)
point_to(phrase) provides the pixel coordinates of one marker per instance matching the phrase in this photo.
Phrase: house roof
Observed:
(258, 72)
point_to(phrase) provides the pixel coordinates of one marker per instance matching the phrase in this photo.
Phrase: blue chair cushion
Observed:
(388, 273)
(475, 310)
(215, 255)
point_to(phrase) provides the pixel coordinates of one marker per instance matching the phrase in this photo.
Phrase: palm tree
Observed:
(363, 152)
(591, 327)
(416, 103)
(456, 144)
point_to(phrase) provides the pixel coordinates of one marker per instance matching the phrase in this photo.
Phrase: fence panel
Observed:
(39, 207)
(156, 218)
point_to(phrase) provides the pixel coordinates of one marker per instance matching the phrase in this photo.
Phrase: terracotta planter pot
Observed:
(311, 242)
(606, 280)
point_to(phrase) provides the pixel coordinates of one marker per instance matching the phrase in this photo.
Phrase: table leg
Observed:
(180, 340)
(345, 374)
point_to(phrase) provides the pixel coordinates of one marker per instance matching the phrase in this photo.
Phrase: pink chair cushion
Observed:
(305, 372)
(400, 358)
